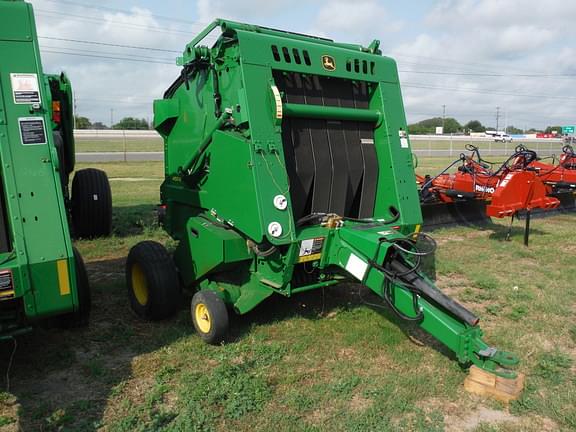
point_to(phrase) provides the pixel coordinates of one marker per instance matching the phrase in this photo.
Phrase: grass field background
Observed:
(332, 360)
(423, 146)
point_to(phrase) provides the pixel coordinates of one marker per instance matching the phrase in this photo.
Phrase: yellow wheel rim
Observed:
(202, 318)
(139, 285)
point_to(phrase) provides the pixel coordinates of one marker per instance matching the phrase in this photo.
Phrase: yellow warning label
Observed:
(308, 258)
(63, 279)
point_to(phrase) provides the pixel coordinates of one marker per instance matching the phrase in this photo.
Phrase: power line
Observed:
(468, 65)
(478, 74)
(117, 23)
(489, 92)
(110, 9)
(107, 57)
(106, 53)
(108, 44)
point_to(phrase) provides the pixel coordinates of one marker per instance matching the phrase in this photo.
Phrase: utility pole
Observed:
(111, 117)
(443, 116)
(497, 117)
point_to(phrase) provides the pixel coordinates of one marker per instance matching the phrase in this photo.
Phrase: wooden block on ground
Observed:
(487, 384)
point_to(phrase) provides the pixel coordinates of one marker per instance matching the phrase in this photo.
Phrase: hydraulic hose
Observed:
(319, 216)
(423, 288)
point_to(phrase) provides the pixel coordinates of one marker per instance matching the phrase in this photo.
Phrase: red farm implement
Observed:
(560, 178)
(477, 191)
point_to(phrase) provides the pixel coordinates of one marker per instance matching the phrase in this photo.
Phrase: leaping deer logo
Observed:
(328, 63)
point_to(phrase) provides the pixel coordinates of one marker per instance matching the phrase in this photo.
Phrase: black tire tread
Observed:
(161, 277)
(219, 314)
(81, 316)
(91, 218)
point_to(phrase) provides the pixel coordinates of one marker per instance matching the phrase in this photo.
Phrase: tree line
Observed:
(424, 127)
(452, 126)
(126, 123)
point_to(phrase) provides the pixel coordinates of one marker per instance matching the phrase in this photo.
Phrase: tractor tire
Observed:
(152, 281)
(81, 316)
(91, 204)
(210, 317)
(59, 144)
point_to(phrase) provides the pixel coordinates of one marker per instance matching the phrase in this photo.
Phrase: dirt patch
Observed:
(452, 284)
(346, 354)
(482, 415)
(358, 403)
(9, 407)
(320, 415)
(444, 238)
(105, 270)
(545, 424)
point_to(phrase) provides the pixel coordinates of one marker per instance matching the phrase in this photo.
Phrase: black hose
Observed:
(429, 182)
(430, 292)
(388, 298)
(319, 217)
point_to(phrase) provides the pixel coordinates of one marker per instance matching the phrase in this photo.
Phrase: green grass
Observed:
(119, 145)
(320, 361)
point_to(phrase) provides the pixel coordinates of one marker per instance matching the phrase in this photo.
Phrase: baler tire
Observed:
(152, 281)
(91, 204)
(59, 144)
(214, 327)
(81, 316)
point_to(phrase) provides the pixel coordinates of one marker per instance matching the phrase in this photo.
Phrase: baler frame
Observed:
(42, 275)
(241, 125)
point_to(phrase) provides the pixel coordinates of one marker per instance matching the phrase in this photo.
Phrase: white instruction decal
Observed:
(404, 142)
(278, 102)
(311, 249)
(25, 88)
(32, 130)
(356, 267)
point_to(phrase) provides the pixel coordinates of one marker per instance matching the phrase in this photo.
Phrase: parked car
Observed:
(502, 137)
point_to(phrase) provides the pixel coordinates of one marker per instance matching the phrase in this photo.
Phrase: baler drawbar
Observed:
(288, 168)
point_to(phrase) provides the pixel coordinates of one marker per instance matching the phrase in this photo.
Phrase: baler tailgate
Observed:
(334, 160)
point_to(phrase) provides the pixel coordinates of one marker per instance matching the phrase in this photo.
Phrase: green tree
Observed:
(82, 122)
(99, 126)
(428, 126)
(551, 129)
(514, 130)
(474, 126)
(451, 125)
(131, 123)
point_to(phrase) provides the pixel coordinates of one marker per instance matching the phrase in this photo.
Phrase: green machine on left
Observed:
(41, 274)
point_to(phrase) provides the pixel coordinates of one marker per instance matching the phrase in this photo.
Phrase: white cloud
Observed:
(457, 36)
(500, 13)
(511, 38)
(250, 11)
(357, 21)
(101, 84)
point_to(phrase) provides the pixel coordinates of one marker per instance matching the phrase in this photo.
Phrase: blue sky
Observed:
(469, 55)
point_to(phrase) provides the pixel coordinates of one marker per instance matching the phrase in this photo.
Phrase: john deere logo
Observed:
(328, 63)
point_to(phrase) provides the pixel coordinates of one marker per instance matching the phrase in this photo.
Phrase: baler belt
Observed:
(331, 164)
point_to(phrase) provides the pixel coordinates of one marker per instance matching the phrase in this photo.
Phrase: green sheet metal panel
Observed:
(37, 216)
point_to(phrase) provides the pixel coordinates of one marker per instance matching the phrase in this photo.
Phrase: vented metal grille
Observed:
(332, 165)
